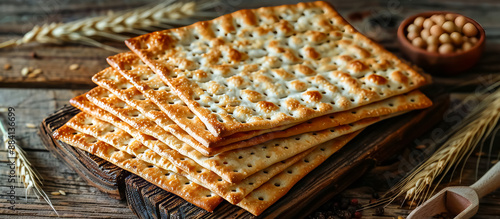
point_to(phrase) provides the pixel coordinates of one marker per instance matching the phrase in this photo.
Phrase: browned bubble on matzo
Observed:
(121, 139)
(262, 68)
(167, 180)
(270, 192)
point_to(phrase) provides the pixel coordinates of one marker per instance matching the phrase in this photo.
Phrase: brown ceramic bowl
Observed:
(435, 63)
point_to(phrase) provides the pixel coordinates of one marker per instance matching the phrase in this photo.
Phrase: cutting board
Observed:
(375, 144)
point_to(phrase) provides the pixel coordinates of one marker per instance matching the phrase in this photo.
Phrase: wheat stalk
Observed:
(114, 25)
(28, 176)
(480, 123)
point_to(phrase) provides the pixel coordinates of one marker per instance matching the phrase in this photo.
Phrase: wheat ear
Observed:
(28, 176)
(112, 26)
(478, 124)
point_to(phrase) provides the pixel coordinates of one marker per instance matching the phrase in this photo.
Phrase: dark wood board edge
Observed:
(135, 200)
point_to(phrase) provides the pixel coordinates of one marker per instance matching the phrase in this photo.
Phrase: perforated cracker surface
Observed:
(121, 87)
(165, 179)
(234, 166)
(121, 139)
(270, 192)
(198, 135)
(262, 68)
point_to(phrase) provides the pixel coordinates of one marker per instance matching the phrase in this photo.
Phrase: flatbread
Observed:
(107, 100)
(113, 136)
(119, 138)
(156, 95)
(111, 103)
(263, 68)
(232, 166)
(270, 192)
(167, 180)
(127, 92)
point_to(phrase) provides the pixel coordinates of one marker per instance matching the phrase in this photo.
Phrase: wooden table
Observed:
(35, 98)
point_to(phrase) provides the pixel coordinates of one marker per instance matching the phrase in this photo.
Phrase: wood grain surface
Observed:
(35, 98)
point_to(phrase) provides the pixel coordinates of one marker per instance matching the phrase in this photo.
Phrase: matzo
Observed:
(118, 138)
(234, 166)
(165, 179)
(112, 103)
(267, 67)
(143, 77)
(107, 101)
(154, 92)
(266, 195)
(111, 135)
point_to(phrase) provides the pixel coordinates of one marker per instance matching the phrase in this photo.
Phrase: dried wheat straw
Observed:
(480, 123)
(112, 26)
(28, 176)
(417, 186)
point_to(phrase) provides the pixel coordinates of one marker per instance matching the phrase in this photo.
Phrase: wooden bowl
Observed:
(435, 63)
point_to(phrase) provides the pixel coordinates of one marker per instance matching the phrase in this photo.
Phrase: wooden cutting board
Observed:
(374, 145)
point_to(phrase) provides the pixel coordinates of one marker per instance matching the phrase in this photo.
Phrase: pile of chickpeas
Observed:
(443, 33)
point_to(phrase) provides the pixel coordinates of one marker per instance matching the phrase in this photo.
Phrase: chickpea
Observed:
(425, 33)
(460, 22)
(446, 48)
(413, 28)
(436, 30)
(473, 40)
(448, 26)
(466, 46)
(428, 23)
(432, 40)
(444, 38)
(456, 38)
(469, 30)
(412, 35)
(438, 19)
(432, 48)
(450, 17)
(419, 21)
(418, 42)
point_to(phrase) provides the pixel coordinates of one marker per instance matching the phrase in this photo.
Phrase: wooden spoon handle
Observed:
(489, 182)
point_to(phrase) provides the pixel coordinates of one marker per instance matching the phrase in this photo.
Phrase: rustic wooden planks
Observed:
(84, 200)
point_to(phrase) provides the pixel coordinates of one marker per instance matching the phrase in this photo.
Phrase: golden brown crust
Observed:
(275, 38)
(133, 98)
(165, 179)
(112, 81)
(266, 195)
(411, 101)
(152, 87)
(233, 166)
(245, 139)
(171, 160)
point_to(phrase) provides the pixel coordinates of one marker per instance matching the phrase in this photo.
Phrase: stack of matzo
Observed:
(241, 107)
